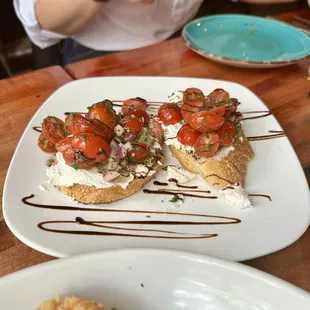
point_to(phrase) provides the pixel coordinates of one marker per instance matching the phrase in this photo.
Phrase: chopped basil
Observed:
(50, 162)
(142, 285)
(165, 168)
(227, 134)
(150, 161)
(75, 165)
(176, 198)
(207, 148)
(144, 137)
(83, 137)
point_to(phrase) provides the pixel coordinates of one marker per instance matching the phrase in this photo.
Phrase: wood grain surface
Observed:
(20, 97)
(285, 91)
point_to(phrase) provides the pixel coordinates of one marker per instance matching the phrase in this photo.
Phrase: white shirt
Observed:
(121, 25)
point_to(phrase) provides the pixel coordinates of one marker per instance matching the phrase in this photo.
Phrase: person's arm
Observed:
(66, 16)
(268, 1)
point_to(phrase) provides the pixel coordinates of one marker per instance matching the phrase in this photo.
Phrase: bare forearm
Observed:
(66, 16)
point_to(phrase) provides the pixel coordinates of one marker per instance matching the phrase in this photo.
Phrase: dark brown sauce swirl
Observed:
(261, 195)
(174, 192)
(157, 183)
(182, 186)
(219, 220)
(264, 114)
(37, 128)
(266, 137)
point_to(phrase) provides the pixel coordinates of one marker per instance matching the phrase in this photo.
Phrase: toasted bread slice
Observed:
(219, 173)
(91, 194)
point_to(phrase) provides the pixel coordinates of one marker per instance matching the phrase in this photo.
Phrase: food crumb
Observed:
(142, 285)
(129, 267)
(148, 216)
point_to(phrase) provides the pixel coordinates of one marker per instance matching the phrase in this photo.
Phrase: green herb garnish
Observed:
(75, 165)
(50, 162)
(176, 198)
(143, 137)
(165, 168)
(142, 285)
(83, 137)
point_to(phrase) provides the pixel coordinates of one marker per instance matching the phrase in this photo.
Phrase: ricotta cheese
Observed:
(63, 175)
(176, 97)
(236, 196)
(180, 174)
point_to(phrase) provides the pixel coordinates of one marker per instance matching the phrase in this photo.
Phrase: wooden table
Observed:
(20, 97)
(284, 90)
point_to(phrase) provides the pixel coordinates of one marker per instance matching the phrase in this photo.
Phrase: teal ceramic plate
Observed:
(246, 41)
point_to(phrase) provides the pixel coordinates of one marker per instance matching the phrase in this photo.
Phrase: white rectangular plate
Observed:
(266, 228)
(151, 279)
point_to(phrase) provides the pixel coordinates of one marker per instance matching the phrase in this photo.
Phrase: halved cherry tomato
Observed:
(133, 103)
(132, 124)
(45, 145)
(167, 106)
(191, 106)
(103, 111)
(141, 114)
(76, 123)
(170, 116)
(227, 133)
(93, 147)
(139, 152)
(231, 107)
(64, 146)
(207, 144)
(156, 131)
(218, 111)
(193, 93)
(187, 135)
(54, 129)
(206, 122)
(215, 96)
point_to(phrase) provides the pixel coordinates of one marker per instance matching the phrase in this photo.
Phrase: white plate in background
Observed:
(149, 279)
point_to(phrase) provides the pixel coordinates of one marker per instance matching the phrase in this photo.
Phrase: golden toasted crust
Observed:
(219, 173)
(91, 194)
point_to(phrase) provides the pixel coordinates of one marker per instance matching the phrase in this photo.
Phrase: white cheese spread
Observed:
(180, 174)
(176, 97)
(236, 196)
(63, 175)
(143, 171)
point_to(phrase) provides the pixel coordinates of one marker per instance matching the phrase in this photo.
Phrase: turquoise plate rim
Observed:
(204, 52)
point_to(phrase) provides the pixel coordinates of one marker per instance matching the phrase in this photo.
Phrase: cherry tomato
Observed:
(231, 107)
(133, 103)
(167, 106)
(156, 131)
(76, 123)
(53, 128)
(45, 145)
(206, 122)
(187, 135)
(189, 107)
(64, 146)
(141, 114)
(217, 95)
(171, 116)
(132, 124)
(193, 93)
(218, 111)
(93, 147)
(103, 112)
(139, 152)
(227, 133)
(207, 144)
